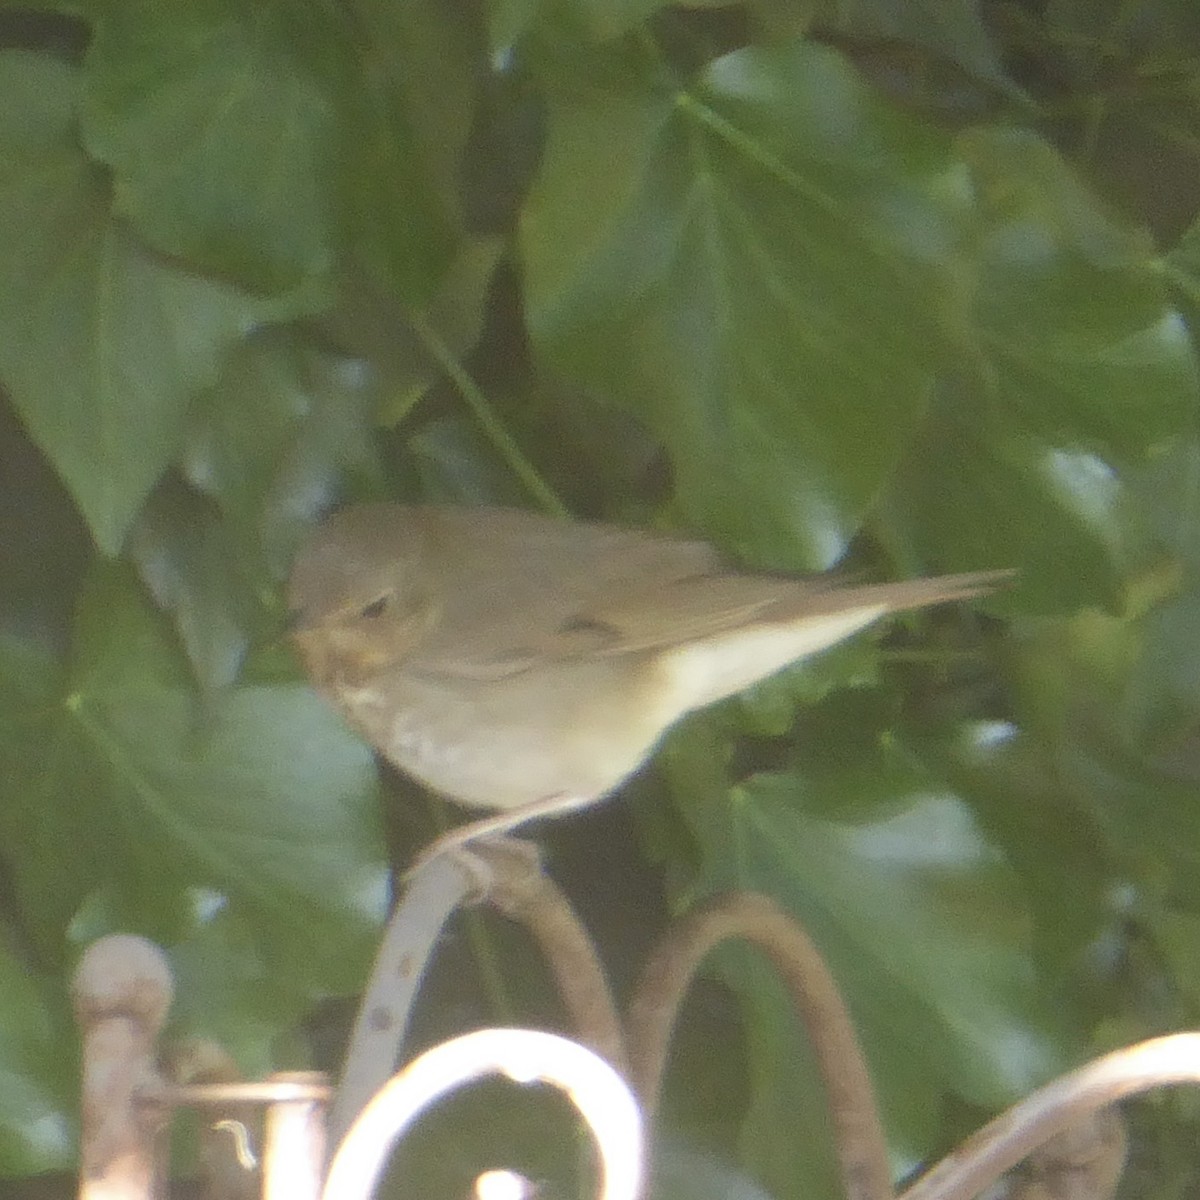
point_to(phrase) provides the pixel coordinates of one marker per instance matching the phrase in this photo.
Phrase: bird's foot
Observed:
(457, 841)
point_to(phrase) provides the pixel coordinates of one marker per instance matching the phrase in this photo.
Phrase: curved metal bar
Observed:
(1051, 1110)
(601, 1096)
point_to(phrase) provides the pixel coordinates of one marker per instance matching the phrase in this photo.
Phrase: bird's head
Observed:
(358, 598)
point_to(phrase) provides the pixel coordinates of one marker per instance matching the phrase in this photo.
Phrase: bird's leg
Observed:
(498, 825)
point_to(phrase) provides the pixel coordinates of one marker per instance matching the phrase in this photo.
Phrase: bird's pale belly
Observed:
(500, 744)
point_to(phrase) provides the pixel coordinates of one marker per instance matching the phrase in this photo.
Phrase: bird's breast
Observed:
(568, 729)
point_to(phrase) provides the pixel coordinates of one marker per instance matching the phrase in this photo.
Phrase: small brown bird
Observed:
(518, 662)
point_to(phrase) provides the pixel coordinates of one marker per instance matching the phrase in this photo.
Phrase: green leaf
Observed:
(757, 267)
(44, 545)
(1124, 98)
(261, 143)
(1093, 29)
(32, 683)
(1148, 812)
(1075, 322)
(455, 464)
(260, 799)
(192, 565)
(275, 440)
(38, 1093)
(1177, 936)
(102, 347)
(373, 326)
(1079, 695)
(953, 30)
(579, 21)
(1163, 686)
(455, 316)
(921, 923)
(433, 60)
(1182, 265)
(603, 19)
(974, 493)
(395, 160)
(220, 135)
(686, 1173)
(1046, 834)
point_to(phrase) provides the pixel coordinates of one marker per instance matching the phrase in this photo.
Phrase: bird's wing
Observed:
(522, 589)
(699, 607)
(519, 587)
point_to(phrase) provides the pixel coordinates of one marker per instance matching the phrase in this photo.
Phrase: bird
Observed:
(527, 664)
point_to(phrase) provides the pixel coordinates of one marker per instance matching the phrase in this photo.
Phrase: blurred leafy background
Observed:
(909, 285)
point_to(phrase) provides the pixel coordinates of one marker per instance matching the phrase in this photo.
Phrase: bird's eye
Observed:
(376, 608)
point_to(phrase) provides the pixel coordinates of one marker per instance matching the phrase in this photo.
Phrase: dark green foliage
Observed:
(909, 285)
